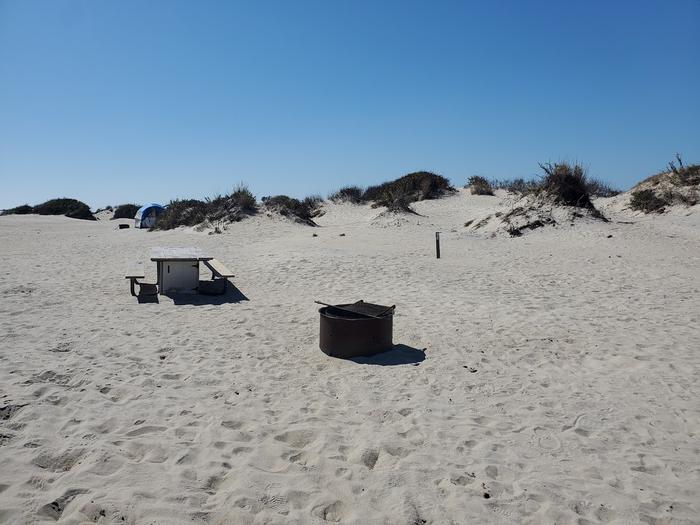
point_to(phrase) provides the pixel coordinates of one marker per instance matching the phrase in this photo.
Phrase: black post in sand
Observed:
(437, 244)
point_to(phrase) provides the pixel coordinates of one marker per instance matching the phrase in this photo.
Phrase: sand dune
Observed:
(550, 378)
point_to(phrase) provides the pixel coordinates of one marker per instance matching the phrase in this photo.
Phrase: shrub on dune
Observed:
(72, 208)
(234, 207)
(397, 195)
(126, 211)
(566, 185)
(300, 210)
(182, 212)
(647, 201)
(24, 209)
(479, 186)
(243, 198)
(352, 194)
(678, 184)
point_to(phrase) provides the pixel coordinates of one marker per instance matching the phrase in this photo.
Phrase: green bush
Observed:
(126, 211)
(648, 201)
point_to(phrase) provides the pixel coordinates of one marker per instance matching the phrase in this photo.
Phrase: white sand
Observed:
(560, 378)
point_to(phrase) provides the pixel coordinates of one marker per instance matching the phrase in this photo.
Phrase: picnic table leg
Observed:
(159, 271)
(132, 281)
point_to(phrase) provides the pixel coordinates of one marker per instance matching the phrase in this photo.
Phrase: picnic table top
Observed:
(187, 253)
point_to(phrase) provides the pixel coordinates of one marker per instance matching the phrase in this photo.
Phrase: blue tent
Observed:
(147, 215)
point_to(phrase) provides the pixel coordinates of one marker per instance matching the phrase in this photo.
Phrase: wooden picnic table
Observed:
(178, 254)
(177, 269)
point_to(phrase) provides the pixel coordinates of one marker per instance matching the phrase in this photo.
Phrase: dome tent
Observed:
(147, 215)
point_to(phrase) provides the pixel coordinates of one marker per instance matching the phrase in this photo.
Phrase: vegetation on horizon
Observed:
(594, 187)
(72, 208)
(300, 210)
(191, 212)
(352, 194)
(126, 211)
(397, 195)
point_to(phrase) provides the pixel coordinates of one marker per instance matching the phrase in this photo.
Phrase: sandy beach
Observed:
(549, 378)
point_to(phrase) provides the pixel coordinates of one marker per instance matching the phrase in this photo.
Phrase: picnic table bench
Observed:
(134, 273)
(219, 272)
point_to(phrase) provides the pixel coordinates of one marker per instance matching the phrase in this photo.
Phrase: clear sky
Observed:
(135, 101)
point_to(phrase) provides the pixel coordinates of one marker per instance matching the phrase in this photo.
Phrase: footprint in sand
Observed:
(234, 425)
(145, 430)
(297, 499)
(333, 512)
(369, 458)
(462, 480)
(8, 411)
(54, 510)
(578, 426)
(546, 440)
(60, 462)
(297, 438)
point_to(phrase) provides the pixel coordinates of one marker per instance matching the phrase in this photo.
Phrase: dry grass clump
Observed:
(191, 212)
(303, 211)
(72, 208)
(565, 184)
(599, 188)
(519, 186)
(126, 211)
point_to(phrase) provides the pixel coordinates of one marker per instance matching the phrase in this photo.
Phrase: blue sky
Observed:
(132, 101)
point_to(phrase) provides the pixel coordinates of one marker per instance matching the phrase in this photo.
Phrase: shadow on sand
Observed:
(232, 295)
(148, 293)
(398, 355)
